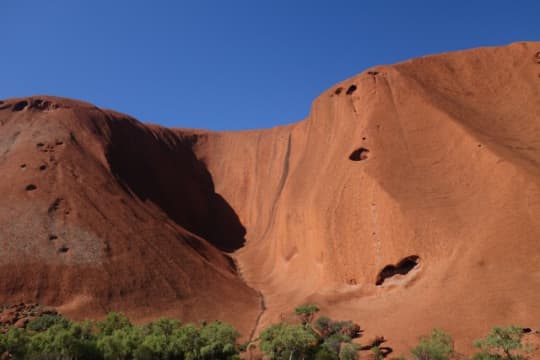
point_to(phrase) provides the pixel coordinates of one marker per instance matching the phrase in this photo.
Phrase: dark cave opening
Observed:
(402, 268)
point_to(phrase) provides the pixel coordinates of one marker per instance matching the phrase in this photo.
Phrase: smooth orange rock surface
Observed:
(407, 200)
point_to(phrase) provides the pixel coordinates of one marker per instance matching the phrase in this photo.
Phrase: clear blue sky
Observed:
(230, 64)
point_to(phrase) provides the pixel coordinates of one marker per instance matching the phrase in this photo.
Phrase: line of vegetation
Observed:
(52, 336)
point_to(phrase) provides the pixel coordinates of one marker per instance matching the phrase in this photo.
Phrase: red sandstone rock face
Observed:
(437, 159)
(101, 213)
(407, 200)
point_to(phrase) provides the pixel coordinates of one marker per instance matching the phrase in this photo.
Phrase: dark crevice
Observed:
(54, 206)
(402, 268)
(40, 104)
(351, 89)
(338, 90)
(30, 187)
(21, 105)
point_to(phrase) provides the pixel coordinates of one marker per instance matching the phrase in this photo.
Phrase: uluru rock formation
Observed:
(407, 200)
(102, 213)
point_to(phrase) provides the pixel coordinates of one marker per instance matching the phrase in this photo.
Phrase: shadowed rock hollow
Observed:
(445, 165)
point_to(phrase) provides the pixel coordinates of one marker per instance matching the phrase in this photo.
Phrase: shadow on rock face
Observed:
(162, 168)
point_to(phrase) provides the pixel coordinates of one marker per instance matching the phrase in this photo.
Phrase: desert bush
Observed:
(13, 342)
(438, 346)
(46, 321)
(501, 343)
(323, 338)
(349, 352)
(63, 340)
(280, 341)
(115, 337)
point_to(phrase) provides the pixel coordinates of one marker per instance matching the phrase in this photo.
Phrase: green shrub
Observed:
(349, 352)
(14, 343)
(279, 340)
(113, 321)
(120, 344)
(323, 353)
(46, 321)
(438, 346)
(54, 337)
(64, 340)
(306, 312)
(501, 343)
(219, 341)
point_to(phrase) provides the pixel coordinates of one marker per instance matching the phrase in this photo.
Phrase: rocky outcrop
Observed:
(435, 158)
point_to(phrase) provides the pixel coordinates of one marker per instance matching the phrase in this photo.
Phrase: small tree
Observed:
(64, 340)
(377, 353)
(306, 313)
(113, 321)
(438, 346)
(14, 343)
(219, 341)
(349, 352)
(46, 321)
(324, 326)
(280, 340)
(334, 334)
(186, 342)
(121, 344)
(501, 343)
(323, 353)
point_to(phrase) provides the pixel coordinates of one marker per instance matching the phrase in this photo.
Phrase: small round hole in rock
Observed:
(63, 249)
(30, 187)
(359, 154)
(338, 90)
(40, 145)
(351, 89)
(20, 106)
(23, 166)
(42, 167)
(526, 330)
(53, 237)
(373, 72)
